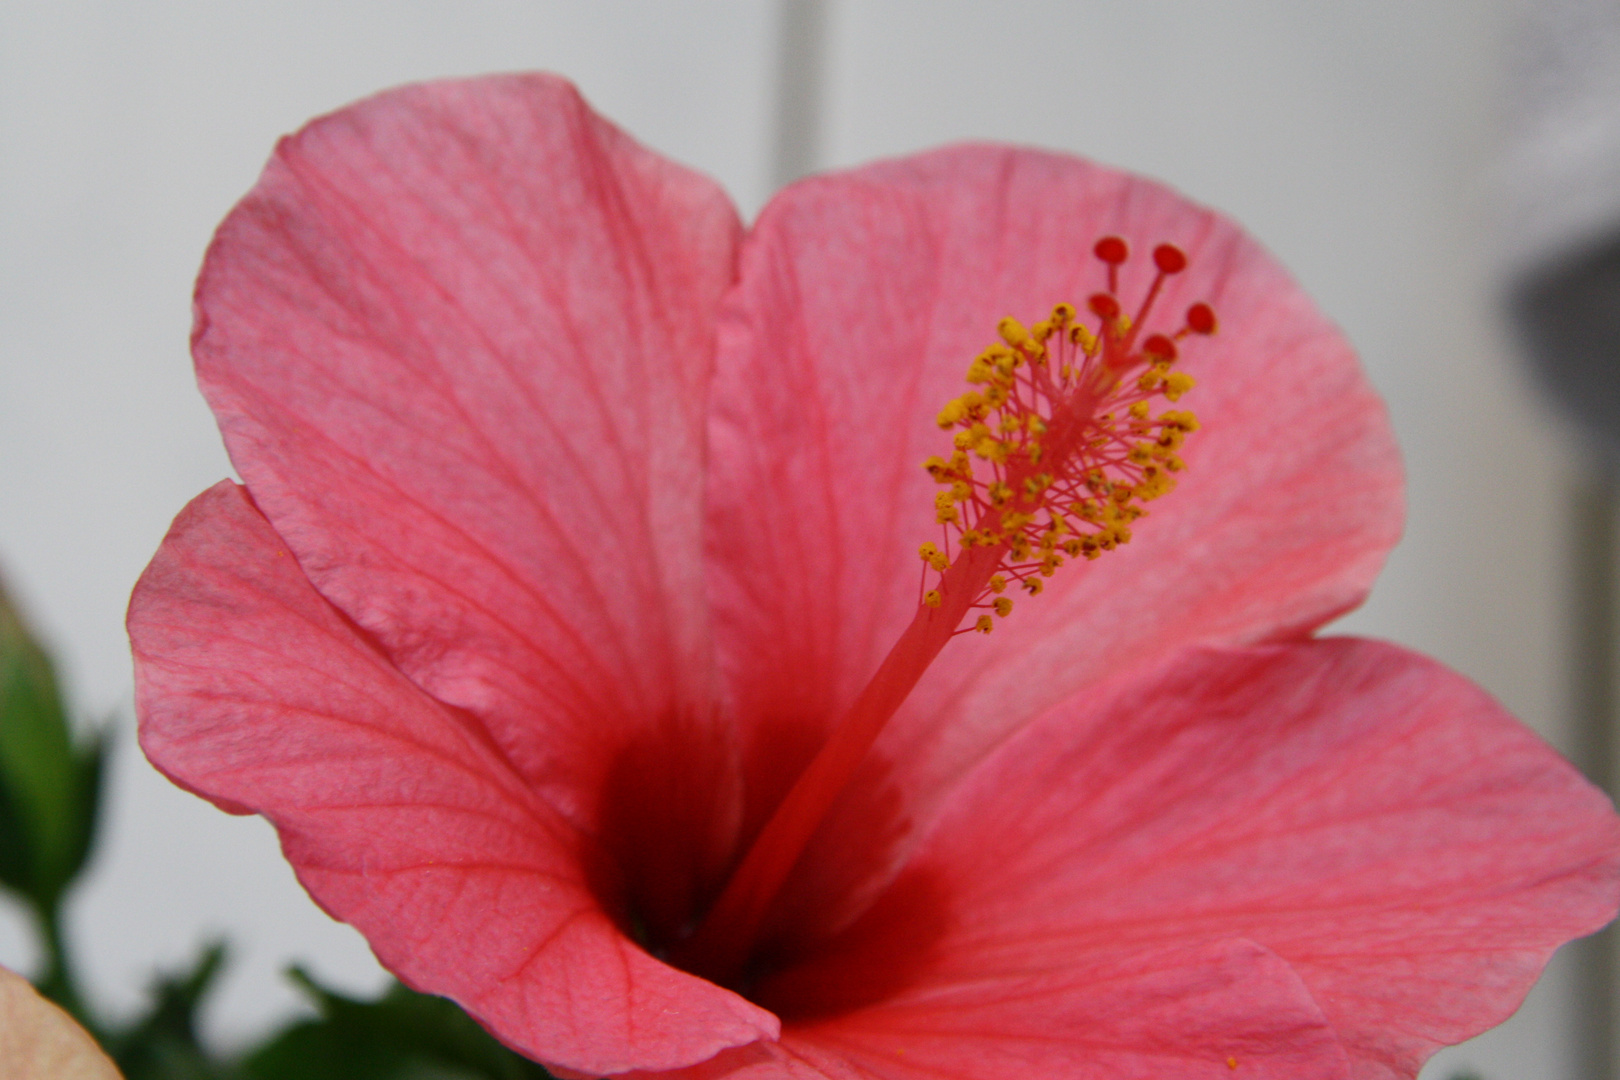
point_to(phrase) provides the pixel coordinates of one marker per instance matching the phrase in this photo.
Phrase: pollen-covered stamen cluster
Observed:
(1059, 444)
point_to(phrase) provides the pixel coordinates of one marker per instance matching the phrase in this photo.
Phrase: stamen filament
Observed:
(720, 946)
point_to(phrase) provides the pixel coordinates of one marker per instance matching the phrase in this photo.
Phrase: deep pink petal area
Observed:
(863, 297)
(459, 338)
(399, 814)
(1377, 821)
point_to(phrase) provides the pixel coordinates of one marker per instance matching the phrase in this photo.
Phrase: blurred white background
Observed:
(1359, 141)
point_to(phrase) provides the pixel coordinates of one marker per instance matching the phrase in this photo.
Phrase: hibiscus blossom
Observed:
(577, 520)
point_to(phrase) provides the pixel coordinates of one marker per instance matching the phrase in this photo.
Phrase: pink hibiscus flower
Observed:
(578, 518)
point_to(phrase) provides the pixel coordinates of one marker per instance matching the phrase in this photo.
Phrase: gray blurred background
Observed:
(1377, 147)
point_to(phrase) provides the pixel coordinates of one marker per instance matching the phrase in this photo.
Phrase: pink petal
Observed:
(1375, 820)
(863, 296)
(399, 814)
(459, 339)
(1212, 1013)
(1207, 1013)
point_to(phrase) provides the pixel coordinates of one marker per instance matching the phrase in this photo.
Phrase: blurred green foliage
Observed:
(401, 1035)
(50, 802)
(50, 792)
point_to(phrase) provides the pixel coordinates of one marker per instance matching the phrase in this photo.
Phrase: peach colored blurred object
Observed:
(38, 1041)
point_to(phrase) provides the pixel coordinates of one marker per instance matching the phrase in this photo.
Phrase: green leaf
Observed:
(163, 1045)
(402, 1035)
(49, 788)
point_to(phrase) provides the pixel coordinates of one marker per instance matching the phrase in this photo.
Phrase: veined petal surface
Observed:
(1197, 1013)
(1413, 852)
(459, 339)
(399, 813)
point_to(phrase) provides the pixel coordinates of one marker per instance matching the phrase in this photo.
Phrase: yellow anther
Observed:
(932, 598)
(1041, 331)
(1012, 332)
(998, 583)
(1177, 383)
(937, 468)
(961, 491)
(1063, 314)
(984, 625)
(1003, 606)
(951, 414)
(1035, 424)
(1014, 520)
(999, 493)
(980, 371)
(1154, 483)
(1141, 454)
(1180, 419)
(1084, 338)
(995, 396)
(1034, 586)
(933, 556)
(1151, 378)
(1174, 463)
(1139, 411)
(963, 440)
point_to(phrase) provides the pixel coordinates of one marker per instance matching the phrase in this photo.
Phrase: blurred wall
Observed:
(1356, 140)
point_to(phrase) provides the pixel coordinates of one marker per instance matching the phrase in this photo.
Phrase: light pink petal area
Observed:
(399, 814)
(459, 339)
(863, 297)
(1375, 820)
